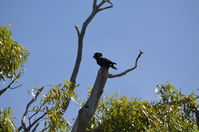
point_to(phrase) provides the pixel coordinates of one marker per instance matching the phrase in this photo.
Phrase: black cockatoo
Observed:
(104, 62)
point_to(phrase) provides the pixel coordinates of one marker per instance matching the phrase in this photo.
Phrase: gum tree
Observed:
(12, 58)
(55, 103)
(47, 109)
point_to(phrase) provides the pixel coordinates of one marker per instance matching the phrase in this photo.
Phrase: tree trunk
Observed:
(88, 110)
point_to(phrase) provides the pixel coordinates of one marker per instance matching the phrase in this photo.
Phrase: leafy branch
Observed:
(23, 120)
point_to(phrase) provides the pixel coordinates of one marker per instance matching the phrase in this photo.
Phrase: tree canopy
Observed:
(12, 54)
(173, 112)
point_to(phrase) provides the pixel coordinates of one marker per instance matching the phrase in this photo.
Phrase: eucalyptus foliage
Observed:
(174, 112)
(47, 107)
(6, 120)
(12, 54)
(55, 99)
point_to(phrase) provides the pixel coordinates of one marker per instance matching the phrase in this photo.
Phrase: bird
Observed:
(104, 62)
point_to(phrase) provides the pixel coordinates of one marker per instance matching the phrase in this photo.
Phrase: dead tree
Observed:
(87, 111)
(97, 7)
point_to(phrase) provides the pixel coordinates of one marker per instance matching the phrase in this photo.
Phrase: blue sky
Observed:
(166, 30)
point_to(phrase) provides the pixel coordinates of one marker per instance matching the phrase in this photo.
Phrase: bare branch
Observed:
(94, 4)
(77, 29)
(101, 9)
(43, 130)
(36, 121)
(23, 120)
(29, 120)
(100, 4)
(80, 39)
(108, 1)
(16, 87)
(37, 111)
(34, 129)
(9, 85)
(19, 129)
(103, 2)
(128, 70)
(3, 90)
(81, 35)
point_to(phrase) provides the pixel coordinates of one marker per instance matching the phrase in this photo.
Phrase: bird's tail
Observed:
(114, 67)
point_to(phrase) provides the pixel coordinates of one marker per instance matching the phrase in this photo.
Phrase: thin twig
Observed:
(128, 70)
(77, 29)
(37, 110)
(19, 129)
(36, 121)
(16, 87)
(100, 4)
(4, 89)
(101, 9)
(43, 130)
(9, 86)
(29, 121)
(108, 1)
(34, 129)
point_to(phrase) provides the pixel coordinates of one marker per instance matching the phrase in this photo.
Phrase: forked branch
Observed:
(128, 70)
(10, 84)
(23, 120)
(81, 33)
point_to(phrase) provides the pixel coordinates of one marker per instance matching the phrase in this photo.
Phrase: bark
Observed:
(88, 110)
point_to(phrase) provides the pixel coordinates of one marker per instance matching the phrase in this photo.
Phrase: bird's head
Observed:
(97, 55)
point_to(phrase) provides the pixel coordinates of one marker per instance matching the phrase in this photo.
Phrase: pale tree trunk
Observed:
(88, 110)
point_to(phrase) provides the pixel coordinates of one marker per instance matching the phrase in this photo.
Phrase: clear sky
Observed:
(166, 30)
